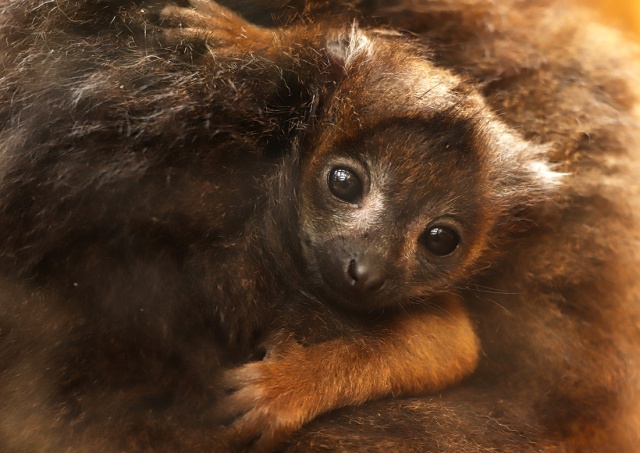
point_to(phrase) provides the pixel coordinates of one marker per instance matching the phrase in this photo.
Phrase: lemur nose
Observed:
(364, 276)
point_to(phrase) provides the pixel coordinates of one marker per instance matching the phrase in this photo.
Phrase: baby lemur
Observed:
(321, 193)
(381, 231)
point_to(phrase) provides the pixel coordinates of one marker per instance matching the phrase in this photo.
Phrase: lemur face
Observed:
(394, 213)
(399, 201)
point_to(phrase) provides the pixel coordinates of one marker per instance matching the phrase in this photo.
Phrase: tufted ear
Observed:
(519, 170)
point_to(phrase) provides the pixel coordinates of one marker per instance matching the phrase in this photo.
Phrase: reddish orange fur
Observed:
(423, 351)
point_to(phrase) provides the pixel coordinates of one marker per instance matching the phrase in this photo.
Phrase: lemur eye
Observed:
(440, 241)
(345, 184)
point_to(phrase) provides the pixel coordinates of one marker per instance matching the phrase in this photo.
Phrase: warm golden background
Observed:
(622, 13)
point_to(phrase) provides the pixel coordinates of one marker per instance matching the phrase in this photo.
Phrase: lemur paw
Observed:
(209, 22)
(270, 399)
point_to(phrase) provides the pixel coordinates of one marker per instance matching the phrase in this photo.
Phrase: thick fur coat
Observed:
(156, 172)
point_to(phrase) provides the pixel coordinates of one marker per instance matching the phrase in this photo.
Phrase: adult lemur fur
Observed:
(183, 190)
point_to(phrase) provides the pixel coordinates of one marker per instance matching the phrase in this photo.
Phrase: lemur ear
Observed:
(520, 170)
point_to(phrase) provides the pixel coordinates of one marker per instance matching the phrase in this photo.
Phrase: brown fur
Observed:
(179, 269)
(98, 353)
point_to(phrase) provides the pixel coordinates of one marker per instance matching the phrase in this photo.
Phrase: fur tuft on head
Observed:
(347, 45)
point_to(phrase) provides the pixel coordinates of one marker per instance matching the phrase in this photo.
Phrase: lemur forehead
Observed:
(385, 72)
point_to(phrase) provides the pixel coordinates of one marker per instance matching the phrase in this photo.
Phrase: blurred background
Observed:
(622, 13)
